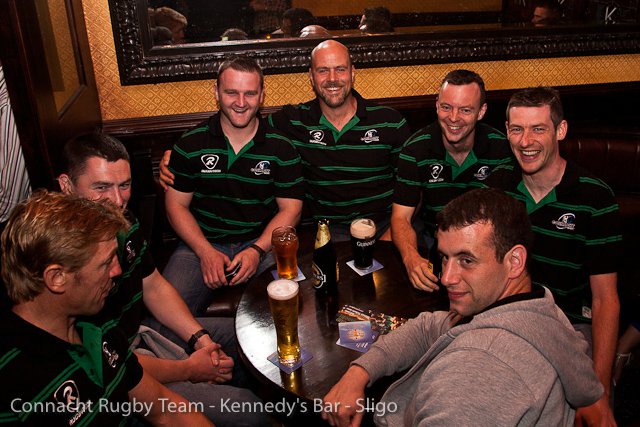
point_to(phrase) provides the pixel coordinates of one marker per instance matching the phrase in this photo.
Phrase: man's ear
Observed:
(66, 185)
(483, 110)
(517, 258)
(215, 92)
(561, 130)
(55, 278)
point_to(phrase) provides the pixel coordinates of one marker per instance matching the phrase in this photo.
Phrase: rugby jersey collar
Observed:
(215, 128)
(570, 178)
(481, 144)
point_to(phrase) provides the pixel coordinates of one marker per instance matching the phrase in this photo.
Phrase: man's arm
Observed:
(289, 211)
(343, 398)
(150, 391)
(212, 262)
(605, 312)
(165, 176)
(405, 239)
(206, 364)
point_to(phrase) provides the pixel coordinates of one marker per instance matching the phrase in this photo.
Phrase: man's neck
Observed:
(340, 116)
(239, 137)
(541, 183)
(460, 150)
(43, 314)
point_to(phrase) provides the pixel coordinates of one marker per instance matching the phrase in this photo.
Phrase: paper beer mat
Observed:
(305, 356)
(380, 322)
(374, 267)
(298, 278)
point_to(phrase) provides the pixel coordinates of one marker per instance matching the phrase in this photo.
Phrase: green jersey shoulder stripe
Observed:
(559, 235)
(351, 181)
(196, 130)
(208, 214)
(558, 263)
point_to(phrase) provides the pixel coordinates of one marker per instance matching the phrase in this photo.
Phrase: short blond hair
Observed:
(53, 228)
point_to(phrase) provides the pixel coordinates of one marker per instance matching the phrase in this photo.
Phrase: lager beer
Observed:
(285, 246)
(325, 263)
(363, 239)
(283, 301)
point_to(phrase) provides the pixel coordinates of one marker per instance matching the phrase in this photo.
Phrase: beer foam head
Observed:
(363, 228)
(282, 289)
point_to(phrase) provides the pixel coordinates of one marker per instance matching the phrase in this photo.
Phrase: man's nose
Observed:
(449, 274)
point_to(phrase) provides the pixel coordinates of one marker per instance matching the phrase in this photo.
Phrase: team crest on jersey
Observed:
(210, 161)
(435, 170)
(316, 137)
(131, 254)
(566, 221)
(262, 168)
(483, 173)
(370, 136)
(111, 355)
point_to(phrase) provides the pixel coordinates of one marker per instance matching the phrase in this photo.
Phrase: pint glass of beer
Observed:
(283, 301)
(285, 246)
(363, 239)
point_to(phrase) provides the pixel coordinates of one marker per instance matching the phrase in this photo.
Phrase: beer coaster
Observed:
(300, 276)
(356, 335)
(305, 356)
(374, 267)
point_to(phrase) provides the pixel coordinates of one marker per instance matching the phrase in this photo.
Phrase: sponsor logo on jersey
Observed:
(262, 168)
(210, 161)
(435, 170)
(111, 355)
(67, 394)
(483, 173)
(370, 136)
(316, 137)
(566, 221)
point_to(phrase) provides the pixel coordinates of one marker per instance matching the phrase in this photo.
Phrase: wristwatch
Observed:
(195, 337)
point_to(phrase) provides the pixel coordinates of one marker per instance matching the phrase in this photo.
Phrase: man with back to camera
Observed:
(58, 263)
(441, 161)
(349, 146)
(236, 180)
(96, 166)
(575, 218)
(502, 355)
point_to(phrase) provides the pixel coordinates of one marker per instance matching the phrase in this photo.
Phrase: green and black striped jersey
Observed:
(349, 173)
(234, 195)
(425, 169)
(577, 234)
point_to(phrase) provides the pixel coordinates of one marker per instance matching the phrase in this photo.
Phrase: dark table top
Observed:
(387, 290)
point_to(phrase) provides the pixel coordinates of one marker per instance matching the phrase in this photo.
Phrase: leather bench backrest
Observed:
(614, 160)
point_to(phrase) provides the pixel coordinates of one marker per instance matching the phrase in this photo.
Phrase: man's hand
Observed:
(419, 274)
(597, 414)
(343, 397)
(207, 365)
(165, 176)
(212, 265)
(249, 260)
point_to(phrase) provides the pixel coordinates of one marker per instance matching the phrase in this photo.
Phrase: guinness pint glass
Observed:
(284, 241)
(283, 301)
(363, 239)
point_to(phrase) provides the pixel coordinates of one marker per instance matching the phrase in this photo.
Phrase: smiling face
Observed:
(534, 138)
(239, 94)
(90, 286)
(472, 275)
(331, 74)
(101, 180)
(459, 109)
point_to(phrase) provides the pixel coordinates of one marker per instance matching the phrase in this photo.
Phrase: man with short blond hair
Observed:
(59, 262)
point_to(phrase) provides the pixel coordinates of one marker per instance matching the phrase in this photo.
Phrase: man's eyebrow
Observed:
(97, 183)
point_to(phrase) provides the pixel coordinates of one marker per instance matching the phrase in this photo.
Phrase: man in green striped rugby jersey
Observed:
(575, 220)
(440, 162)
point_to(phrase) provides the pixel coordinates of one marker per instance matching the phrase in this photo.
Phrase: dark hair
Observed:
(377, 20)
(465, 77)
(242, 63)
(539, 97)
(78, 150)
(300, 18)
(509, 218)
(234, 34)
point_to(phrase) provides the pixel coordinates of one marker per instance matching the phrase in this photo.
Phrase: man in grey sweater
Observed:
(502, 355)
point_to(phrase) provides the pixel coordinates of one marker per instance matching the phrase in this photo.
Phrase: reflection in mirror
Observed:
(197, 21)
(57, 42)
